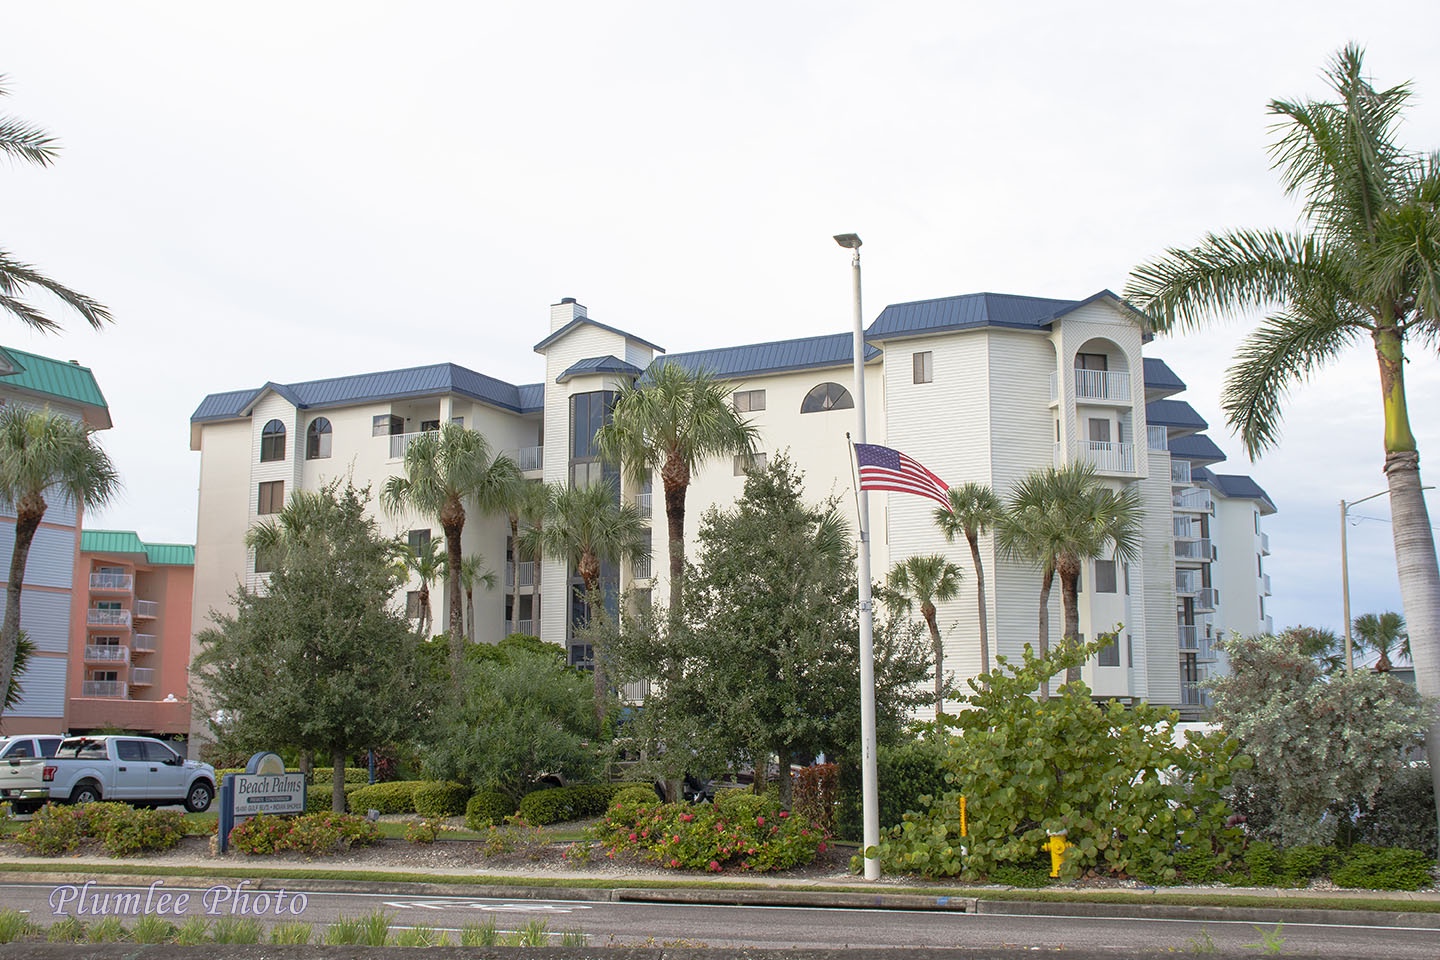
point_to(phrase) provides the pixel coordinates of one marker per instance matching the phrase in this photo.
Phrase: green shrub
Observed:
(740, 831)
(1402, 813)
(551, 805)
(1384, 868)
(54, 829)
(814, 793)
(1303, 864)
(313, 834)
(1265, 864)
(1035, 873)
(318, 798)
(121, 829)
(426, 831)
(398, 796)
(326, 775)
(486, 808)
(441, 799)
(1200, 865)
(635, 793)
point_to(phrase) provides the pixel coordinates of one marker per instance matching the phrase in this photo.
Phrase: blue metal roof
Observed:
(1159, 378)
(1237, 487)
(779, 356)
(1197, 448)
(1174, 413)
(605, 364)
(532, 397)
(440, 378)
(581, 321)
(976, 310)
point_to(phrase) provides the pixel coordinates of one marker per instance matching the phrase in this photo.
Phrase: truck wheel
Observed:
(199, 797)
(86, 791)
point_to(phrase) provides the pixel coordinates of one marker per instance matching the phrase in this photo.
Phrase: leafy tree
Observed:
(673, 420)
(974, 510)
(927, 579)
(590, 526)
(764, 660)
(1382, 633)
(24, 141)
(1070, 516)
(24, 650)
(425, 563)
(472, 571)
(316, 659)
(1322, 745)
(1365, 268)
(445, 469)
(1112, 777)
(524, 714)
(43, 455)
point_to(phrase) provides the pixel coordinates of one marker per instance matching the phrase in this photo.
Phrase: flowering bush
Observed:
(121, 829)
(314, 834)
(739, 831)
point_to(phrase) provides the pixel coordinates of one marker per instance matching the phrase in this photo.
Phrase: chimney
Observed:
(564, 312)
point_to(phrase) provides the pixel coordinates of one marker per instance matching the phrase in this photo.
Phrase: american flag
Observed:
(884, 469)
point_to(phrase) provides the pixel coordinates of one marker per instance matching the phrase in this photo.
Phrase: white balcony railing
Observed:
(1265, 584)
(105, 688)
(142, 677)
(1193, 695)
(1157, 438)
(107, 653)
(1179, 471)
(1108, 457)
(1199, 500)
(644, 502)
(1265, 544)
(143, 642)
(1187, 582)
(146, 609)
(112, 581)
(107, 618)
(640, 568)
(527, 573)
(528, 459)
(1193, 550)
(1207, 598)
(1102, 385)
(520, 626)
(1189, 636)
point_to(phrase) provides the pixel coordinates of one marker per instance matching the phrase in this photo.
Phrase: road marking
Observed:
(538, 907)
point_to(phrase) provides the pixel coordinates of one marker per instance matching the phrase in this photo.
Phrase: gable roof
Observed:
(128, 542)
(605, 364)
(1237, 487)
(973, 311)
(778, 356)
(582, 321)
(57, 379)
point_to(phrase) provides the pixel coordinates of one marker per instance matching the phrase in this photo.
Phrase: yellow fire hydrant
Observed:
(1056, 845)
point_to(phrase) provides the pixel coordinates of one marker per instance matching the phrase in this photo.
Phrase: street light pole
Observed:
(1345, 572)
(869, 779)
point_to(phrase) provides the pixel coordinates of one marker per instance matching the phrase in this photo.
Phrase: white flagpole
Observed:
(870, 791)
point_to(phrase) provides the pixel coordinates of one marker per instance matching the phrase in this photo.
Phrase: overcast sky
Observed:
(289, 191)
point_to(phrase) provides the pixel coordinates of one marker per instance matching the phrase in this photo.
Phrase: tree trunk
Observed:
(422, 627)
(453, 528)
(927, 609)
(337, 783)
(1047, 579)
(28, 514)
(980, 596)
(1069, 570)
(514, 577)
(589, 564)
(676, 479)
(470, 614)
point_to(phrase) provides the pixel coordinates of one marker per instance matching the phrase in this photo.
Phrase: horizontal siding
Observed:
(51, 562)
(60, 509)
(42, 688)
(45, 618)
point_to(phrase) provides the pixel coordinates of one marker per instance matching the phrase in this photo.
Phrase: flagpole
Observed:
(869, 780)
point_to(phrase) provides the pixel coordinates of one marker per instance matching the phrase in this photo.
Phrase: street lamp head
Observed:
(850, 241)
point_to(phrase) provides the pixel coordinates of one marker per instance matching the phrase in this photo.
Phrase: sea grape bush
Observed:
(739, 831)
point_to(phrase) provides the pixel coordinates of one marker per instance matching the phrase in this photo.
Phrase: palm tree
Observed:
(591, 527)
(43, 454)
(1074, 517)
(1319, 644)
(674, 420)
(444, 469)
(23, 141)
(1382, 632)
(974, 509)
(1366, 270)
(928, 579)
(525, 505)
(472, 571)
(427, 564)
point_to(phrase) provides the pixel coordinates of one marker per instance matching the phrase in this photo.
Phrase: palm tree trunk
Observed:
(28, 515)
(1047, 579)
(514, 575)
(928, 609)
(980, 596)
(1070, 606)
(453, 529)
(422, 625)
(470, 613)
(676, 480)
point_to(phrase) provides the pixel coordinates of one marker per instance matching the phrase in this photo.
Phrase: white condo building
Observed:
(981, 387)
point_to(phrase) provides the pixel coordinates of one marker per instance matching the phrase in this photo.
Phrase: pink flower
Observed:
(821, 848)
(713, 865)
(784, 814)
(674, 862)
(632, 837)
(687, 817)
(759, 821)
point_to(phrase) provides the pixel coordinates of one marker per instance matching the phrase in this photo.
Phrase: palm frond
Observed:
(23, 140)
(17, 278)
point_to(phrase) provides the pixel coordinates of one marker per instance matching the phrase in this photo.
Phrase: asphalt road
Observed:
(605, 923)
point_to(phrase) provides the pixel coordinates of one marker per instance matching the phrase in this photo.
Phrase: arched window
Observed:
(317, 440)
(272, 442)
(827, 396)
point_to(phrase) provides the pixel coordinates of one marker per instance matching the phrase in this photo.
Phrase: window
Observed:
(272, 497)
(317, 440)
(749, 401)
(1257, 521)
(1105, 579)
(1092, 361)
(1099, 430)
(105, 676)
(104, 641)
(108, 605)
(130, 750)
(272, 442)
(1127, 578)
(1129, 652)
(267, 559)
(827, 396)
(157, 752)
(1110, 655)
(387, 426)
(429, 426)
(744, 465)
(417, 540)
(923, 364)
(1259, 566)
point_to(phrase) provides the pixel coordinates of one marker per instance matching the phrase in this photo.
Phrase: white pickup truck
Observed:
(136, 770)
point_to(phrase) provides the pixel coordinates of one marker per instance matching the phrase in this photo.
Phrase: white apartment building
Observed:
(982, 387)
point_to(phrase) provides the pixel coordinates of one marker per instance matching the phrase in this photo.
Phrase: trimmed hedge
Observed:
(635, 793)
(317, 775)
(486, 808)
(317, 796)
(576, 802)
(441, 799)
(397, 796)
(1383, 868)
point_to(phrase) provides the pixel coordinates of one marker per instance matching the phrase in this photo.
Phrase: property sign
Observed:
(267, 793)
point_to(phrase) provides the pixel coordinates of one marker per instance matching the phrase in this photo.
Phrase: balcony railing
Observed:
(1157, 438)
(142, 677)
(644, 502)
(520, 626)
(1193, 695)
(1265, 544)
(527, 572)
(1108, 457)
(1207, 598)
(640, 568)
(1179, 471)
(107, 618)
(1095, 385)
(1265, 584)
(1189, 636)
(1193, 550)
(1198, 500)
(528, 459)
(105, 688)
(112, 581)
(143, 642)
(1187, 582)
(146, 609)
(106, 653)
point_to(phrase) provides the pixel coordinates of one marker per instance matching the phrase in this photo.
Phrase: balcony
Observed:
(1265, 544)
(1107, 457)
(1157, 438)
(143, 642)
(644, 503)
(106, 653)
(105, 688)
(1195, 551)
(1187, 582)
(525, 574)
(1198, 501)
(1193, 695)
(520, 626)
(1264, 584)
(1207, 599)
(107, 618)
(528, 459)
(1189, 636)
(1091, 385)
(142, 677)
(146, 609)
(112, 582)
(153, 716)
(1180, 471)
(640, 568)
